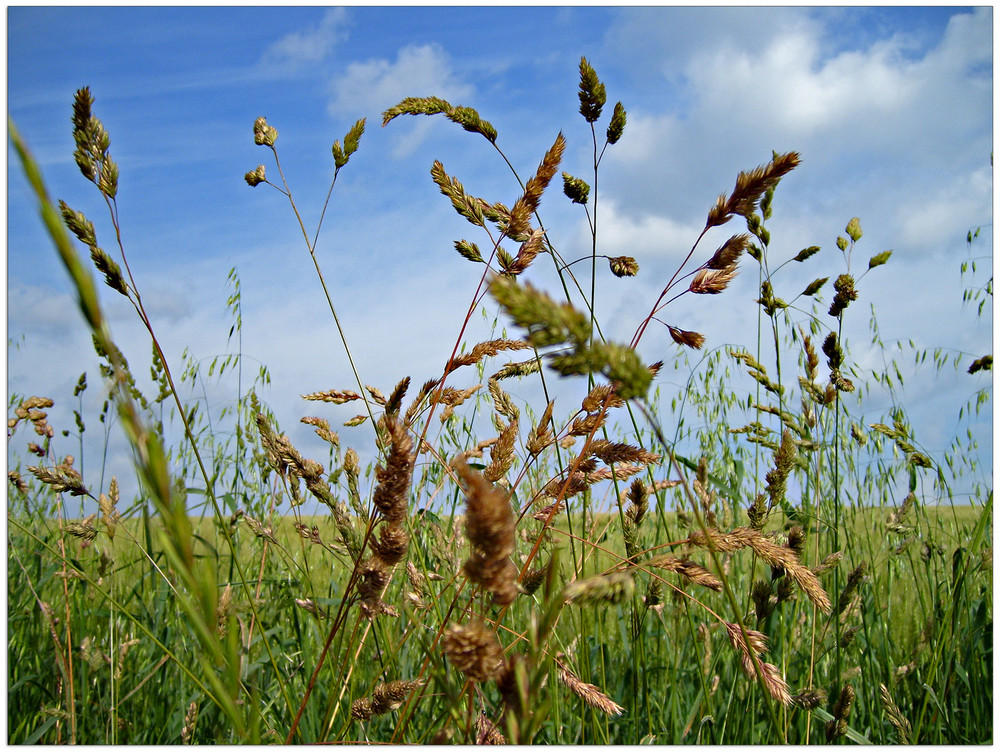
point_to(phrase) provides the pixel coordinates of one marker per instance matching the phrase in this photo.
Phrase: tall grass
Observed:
(742, 561)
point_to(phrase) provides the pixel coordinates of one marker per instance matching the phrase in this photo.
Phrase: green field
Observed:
(755, 557)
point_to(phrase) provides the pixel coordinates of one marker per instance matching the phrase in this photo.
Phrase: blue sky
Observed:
(890, 108)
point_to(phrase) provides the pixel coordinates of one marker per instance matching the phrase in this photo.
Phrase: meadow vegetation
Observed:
(742, 560)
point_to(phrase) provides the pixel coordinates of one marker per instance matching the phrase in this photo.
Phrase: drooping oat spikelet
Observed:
(756, 645)
(473, 650)
(466, 117)
(770, 553)
(489, 526)
(687, 338)
(610, 589)
(895, 716)
(592, 695)
(837, 727)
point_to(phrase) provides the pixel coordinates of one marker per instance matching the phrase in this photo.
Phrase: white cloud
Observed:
(311, 45)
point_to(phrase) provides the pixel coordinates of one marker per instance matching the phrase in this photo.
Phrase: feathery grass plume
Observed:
(597, 397)
(484, 349)
(610, 589)
(855, 578)
(576, 189)
(750, 187)
(590, 694)
(770, 553)
(837, 727)
(895, 716)
(190, 720)
(784, 461)
(470, 251)
(687, 338)
(728, 254)
(520, 214)
(489, 526)
(685, 568)
(776, 686)
(282, 456)
(337, 397)
(61, 478)
(592, 93)
(468, 206)
(385, 697)
(712, 281)
(473, 650)
(526, 254)
(83, 229)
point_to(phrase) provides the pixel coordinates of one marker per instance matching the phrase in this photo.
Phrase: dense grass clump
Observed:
(743, 561)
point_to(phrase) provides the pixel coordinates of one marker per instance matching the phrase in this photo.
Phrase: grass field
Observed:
(779, 570)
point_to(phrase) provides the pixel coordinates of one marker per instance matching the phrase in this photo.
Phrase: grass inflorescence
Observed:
(579, 571)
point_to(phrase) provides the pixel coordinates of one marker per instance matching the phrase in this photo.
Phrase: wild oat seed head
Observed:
(590, 694)
(729, 252)
(687, 338)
